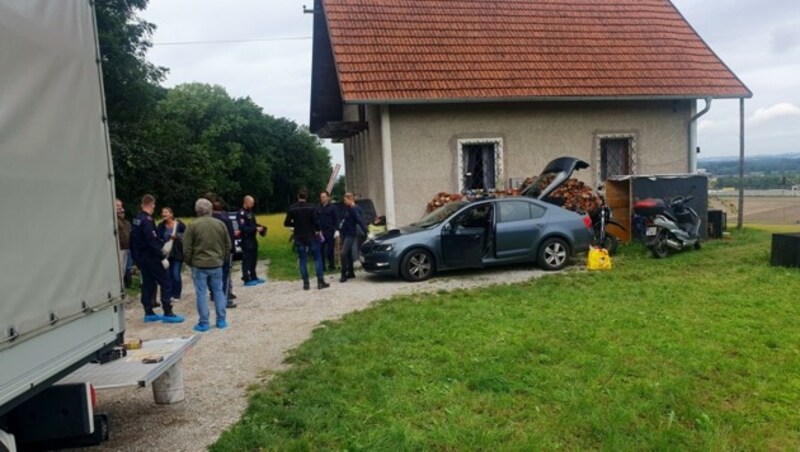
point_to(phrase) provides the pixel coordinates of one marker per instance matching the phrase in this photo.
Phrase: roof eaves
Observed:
(457, 100)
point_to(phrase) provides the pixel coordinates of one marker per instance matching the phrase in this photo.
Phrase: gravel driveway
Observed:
(271, 319)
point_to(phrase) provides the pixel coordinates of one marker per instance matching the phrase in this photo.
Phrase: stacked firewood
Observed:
(574, 195)
(443, 198)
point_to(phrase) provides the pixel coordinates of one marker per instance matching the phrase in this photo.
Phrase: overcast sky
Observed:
(758, 39)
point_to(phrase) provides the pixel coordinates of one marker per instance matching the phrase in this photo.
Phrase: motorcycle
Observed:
(674, 227)
(600, 221)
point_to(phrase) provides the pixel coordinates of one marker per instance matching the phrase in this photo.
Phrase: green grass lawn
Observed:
(699, 351)
(277, 248)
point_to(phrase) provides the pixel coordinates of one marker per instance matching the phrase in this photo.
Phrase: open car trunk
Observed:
(554, 175)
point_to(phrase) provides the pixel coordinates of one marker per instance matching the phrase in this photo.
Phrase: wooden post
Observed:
(740, 216)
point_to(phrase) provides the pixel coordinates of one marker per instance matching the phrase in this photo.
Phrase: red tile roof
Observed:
(440, 50)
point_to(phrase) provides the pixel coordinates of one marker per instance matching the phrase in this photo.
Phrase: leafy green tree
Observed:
(131, 85)
(179, 143)
(301, 161)
(203, 140)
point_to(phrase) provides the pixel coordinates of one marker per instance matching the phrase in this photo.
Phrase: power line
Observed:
(231, 41)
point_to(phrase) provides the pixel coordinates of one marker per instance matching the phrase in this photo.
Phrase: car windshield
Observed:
(439, 215)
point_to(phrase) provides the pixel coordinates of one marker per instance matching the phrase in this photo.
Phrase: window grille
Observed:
(480, 163)
(615, 158)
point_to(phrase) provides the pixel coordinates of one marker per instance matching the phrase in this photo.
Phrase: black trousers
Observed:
(348, 256)
(153, 273)
(249, 258)
(328, 247)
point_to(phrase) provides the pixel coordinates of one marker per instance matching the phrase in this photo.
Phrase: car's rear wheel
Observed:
(417, 265)
(553, 254)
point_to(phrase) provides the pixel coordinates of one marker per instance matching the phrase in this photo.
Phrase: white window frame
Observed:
(598, 158)
(498, 151)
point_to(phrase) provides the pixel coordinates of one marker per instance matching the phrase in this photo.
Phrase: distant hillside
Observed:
(784, 164)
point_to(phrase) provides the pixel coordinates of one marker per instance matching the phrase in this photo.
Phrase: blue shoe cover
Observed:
(172, 318)
(221, 324)
(201, 328)
(152, 318)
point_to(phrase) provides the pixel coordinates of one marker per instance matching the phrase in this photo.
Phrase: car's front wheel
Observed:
(417, 265)
(553, 254)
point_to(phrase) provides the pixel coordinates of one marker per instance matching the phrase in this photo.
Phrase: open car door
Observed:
(465, 237)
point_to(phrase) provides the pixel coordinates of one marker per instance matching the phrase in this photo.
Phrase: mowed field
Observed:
(760, 209)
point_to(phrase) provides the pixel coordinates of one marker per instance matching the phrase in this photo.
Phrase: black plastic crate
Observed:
(717, 223)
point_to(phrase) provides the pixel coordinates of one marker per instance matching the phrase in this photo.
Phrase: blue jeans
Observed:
(205, 278)
(303, 248)
(175, 278)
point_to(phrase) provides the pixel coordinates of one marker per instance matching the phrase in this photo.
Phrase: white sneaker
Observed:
(174, 300)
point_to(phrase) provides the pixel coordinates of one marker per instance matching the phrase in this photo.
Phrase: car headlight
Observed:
(384, 248)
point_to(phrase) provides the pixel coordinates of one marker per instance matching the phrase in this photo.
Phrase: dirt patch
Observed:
(271, 319)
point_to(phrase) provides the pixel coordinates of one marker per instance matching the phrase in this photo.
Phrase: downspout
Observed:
(388, 167)
(693, 136)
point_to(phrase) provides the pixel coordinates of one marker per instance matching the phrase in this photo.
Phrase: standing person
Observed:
(302, 216)
(227, 284)
(248, 229)
(352, 225)
(328, 219)
(173, 229)
(124, 237)
(147, 251)
(206, 247)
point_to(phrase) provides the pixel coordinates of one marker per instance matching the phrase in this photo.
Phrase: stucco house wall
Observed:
(425, 143)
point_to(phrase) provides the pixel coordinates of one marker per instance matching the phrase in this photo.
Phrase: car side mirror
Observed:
(447, 228)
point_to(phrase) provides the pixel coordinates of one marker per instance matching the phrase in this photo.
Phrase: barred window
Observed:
(480, 166)
(615, 157)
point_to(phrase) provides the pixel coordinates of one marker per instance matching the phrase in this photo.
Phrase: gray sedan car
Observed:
(479, 234)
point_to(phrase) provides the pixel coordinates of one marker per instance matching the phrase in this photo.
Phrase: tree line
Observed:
(177, 143)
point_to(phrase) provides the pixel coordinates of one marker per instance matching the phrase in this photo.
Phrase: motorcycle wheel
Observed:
(660, 249)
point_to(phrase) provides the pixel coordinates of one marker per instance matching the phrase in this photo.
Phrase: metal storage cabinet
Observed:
(717, 223)
(623, 191)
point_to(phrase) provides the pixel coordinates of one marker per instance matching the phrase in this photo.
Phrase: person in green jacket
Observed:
(206, 245)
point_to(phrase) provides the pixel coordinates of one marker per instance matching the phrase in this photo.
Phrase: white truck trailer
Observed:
(61, 293)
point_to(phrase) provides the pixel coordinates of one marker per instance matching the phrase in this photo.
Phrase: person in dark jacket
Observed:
(227, 286)
(328, 220)
(248, 227)
(302, 217)
(351, 226)
(147, 251)
(124, 235)
(170, 228)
